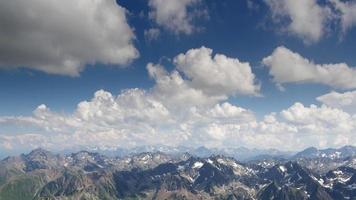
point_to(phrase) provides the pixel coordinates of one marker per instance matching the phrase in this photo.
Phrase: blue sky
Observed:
(248, 30)
(231, 29)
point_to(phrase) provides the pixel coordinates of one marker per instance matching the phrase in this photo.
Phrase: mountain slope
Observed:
(155, 175)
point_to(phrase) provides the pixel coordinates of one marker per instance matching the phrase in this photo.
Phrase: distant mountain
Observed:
(322, 161)
(239, 153)
(312, 152)
(156, 175)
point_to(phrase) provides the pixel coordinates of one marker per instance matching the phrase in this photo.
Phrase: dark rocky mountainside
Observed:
(312, 174)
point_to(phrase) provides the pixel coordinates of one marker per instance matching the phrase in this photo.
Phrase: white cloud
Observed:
(135, 118)
(347, 13)
(207, 81)
(132, 118)
(230, 112)
(218, 74)
(289, 67)
(132, 104)
(299, 126)
(177, 111)
(296, 127)
(61, 37)
(127, 119)
(345, 101)
(176, 16)
(304, 18)
(320, 120)
(175, 91)
(179, 105)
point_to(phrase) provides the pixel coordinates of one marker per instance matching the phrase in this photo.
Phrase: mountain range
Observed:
(240, 153)
(174, 174)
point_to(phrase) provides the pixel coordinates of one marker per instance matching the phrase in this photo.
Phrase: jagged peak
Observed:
(39, 153)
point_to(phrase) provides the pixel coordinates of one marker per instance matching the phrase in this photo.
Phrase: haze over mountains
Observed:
(200, 174)
(239, 153)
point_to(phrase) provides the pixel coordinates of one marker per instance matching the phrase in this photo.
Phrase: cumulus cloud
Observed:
(304, 18)
(231, 112)
(126, 119)
(177, 16)
(310, 20)
(345, 101)
(286, 66)
(347, 13)
(322, 119)
(218, 74)
(175, 91)
(179, 111)
(202, 79)
(134, 117)
(300, 126)
(130, 119)
(173, 108)
(61, 37)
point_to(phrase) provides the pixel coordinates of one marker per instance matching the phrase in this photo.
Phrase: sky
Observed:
(104, 73)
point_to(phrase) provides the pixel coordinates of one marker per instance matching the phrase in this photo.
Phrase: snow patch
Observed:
(198, 165)
(282, 168)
